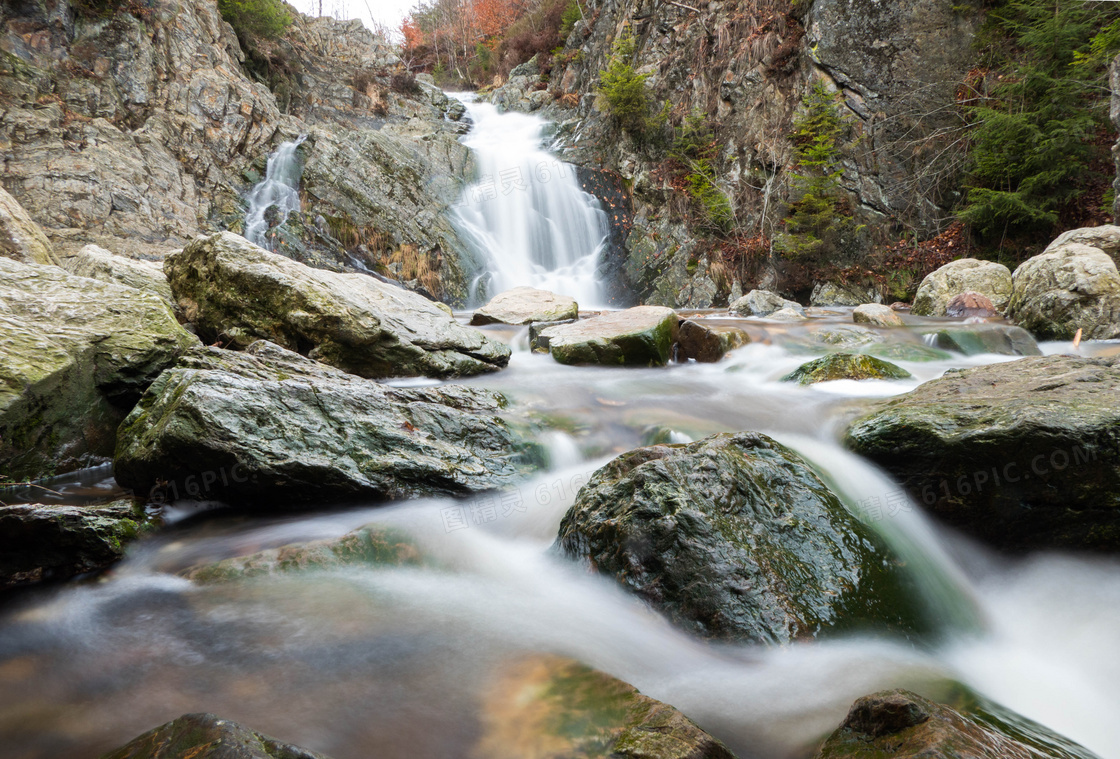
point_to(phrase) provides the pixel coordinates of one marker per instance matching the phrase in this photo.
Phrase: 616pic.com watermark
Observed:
(1010, 473)
(489, 506)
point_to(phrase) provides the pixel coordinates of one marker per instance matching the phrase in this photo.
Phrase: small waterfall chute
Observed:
(279, 189)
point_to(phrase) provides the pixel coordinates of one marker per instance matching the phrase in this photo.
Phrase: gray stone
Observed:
(21, 238)
(1068, 288)
(833, 294)
(524, 305)
(642, 336)
(764, 303)
(205, 736)
(876, 315)
(708, 341)
(964, 275)
(97, 263)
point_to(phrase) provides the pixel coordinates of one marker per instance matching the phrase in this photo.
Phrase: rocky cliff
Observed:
(143, 125)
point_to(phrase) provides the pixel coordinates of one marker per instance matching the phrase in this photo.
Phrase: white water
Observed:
(280, 188)
(526, 215)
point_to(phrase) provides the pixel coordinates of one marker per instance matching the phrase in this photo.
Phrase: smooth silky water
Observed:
(383, 663)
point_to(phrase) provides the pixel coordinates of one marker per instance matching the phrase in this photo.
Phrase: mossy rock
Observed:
(711, 533)
(639, 336)
(853, 366)
(205, 736)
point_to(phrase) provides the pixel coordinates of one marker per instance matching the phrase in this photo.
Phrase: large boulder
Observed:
(268, 424)
(708, 341)
(643, 336)
(838, 366)
(75, 355)
(1106, 237)
(898, 723)
(205, 736)
(97, 263)
(547, 706)
(735, 537)
(49, 541)
(524, 305)
(236, 293)
(1068, 288)
(764, 303)
(964, 275)
(1023, 454)
(21, 238)
(840, 294)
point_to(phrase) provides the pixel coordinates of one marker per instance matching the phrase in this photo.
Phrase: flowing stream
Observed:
(280, 188)
(387, 662)
(526, 214)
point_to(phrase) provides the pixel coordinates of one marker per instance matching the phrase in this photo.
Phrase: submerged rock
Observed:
(235, 292)
(269, 424)
(708, 341)
(372, 544)
(1068, 288)
(49, 541)
(643, 335)
(974, 340)
(735, 537)
(97, 263)
(524, 305)
(964, 275)
(898, 723)
(548, 706)
(75, 355)
(21, 238)
(877, 315)
(1023, 454)
(853, 366)
(971, 304)
(764, 303)
(205, 736)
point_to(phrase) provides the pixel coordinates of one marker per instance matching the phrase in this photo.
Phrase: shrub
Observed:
(623, 89)
(255, 20)
(404, 82)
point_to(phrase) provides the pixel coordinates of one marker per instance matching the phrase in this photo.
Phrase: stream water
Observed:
(377, 662)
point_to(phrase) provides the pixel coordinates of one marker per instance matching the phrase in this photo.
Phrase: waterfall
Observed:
(527, 215)
(280, 188)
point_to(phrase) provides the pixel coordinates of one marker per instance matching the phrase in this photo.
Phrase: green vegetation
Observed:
(623, 89)
(1036, 137)
(694, 145)
(255, 20)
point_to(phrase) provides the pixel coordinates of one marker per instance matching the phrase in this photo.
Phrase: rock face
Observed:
(205, 736)
(988, 278)
(374, 544)
(1023, 454)
(97, 263)
(971, 304)
(853, 366)
(524, 305)
(763, 303)
(710, 533)
(639, 336)
(708, 341)
(270, 424)
(235, 292)
(547, 706)
(1069, 287)
(41, 541)
(21, 238)
(876, 315)
(75, 354)
(898, 723)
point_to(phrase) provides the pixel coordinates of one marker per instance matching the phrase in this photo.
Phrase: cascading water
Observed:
(280, 188)
(527, 215)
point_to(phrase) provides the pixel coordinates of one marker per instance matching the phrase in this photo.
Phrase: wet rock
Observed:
(876, 315)
(898, 723)
(708, 341)
(971, 304)
(49, 541)
(1023, 454)
(906, 351)
(538, 334)
(524, 305)
(1068, 288)
(373, 544)
(764, 303)
(844, 337)
(269, 424)
(788, 314)
(548, 706)
(1001, 339)
(75, 355)
(641, 336)
(833, 294)
(205, 736)
(710, 533)
(97, 263)
(21, 238)
(236, 293)
(964, 275)
(837, 366)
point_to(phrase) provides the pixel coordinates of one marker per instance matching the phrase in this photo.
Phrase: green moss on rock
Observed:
(854, 366)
